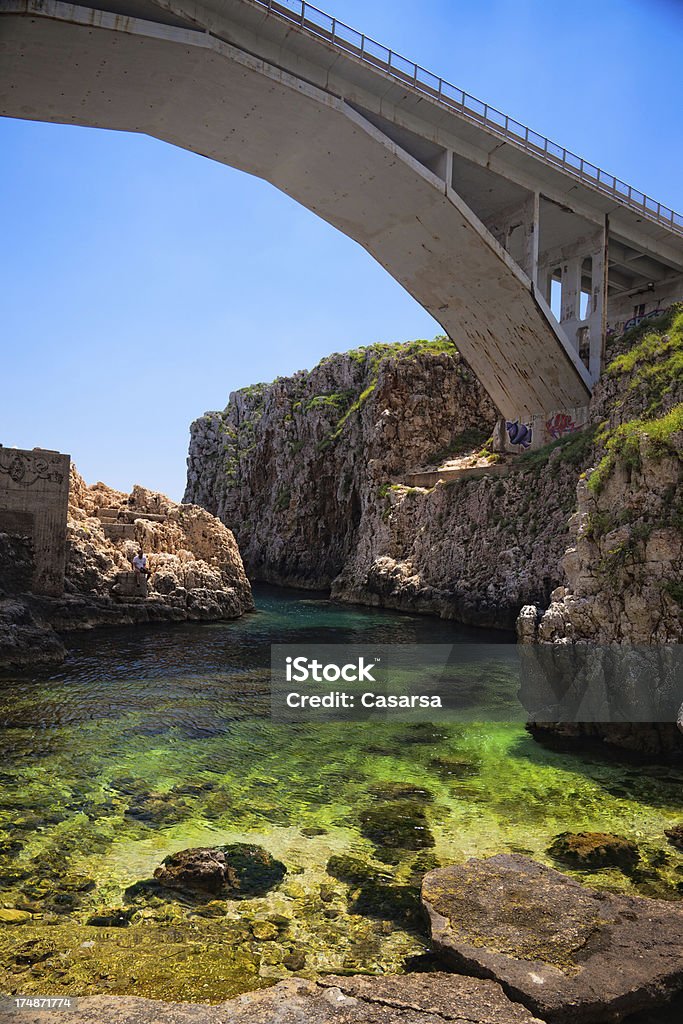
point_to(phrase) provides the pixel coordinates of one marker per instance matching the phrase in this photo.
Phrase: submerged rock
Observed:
(118, 917)
(595, 850)
(397, 825)
(401, 791)
(353, 870)
(567, 952)
(374, 893)
(455, 767)
(157, 809)
(675, 836)
(234, 871)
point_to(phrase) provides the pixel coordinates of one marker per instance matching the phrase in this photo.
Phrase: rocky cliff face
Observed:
(196, 572)
(624, 564)
(309, 471)
(299, 468)
(195, 565)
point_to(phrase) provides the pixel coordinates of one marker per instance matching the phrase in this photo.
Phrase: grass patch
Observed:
(624, 444)
(574, 450)
(334, 400)
(675, 590)
(652, 355)
(284, 497)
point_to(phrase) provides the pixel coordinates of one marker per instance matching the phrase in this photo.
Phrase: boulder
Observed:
(12, 916)
(234, 871)
(569, 953)
(591, 850)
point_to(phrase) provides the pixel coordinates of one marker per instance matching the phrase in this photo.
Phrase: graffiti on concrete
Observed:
(560, 424)
(519, 433)
(635, 320)
(26, 468)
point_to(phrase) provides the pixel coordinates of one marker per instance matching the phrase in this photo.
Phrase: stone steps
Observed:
(129, 584)
(127, 515)
(119, 531)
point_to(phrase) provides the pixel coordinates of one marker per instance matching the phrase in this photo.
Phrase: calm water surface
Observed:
(150, 741)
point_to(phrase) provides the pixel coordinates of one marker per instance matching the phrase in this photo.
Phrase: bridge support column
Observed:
(517, 231)
(581, 270)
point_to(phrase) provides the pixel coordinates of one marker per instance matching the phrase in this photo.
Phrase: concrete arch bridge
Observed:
(484, 222)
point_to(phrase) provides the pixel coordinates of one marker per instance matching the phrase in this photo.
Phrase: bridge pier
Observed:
(579, 268)
(517, 230)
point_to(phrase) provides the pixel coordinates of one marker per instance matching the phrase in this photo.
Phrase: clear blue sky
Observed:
(141, 284)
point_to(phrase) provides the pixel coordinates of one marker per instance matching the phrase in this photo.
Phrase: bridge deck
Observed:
(356, 44)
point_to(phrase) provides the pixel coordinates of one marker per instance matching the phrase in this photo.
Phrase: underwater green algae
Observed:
(147, 743)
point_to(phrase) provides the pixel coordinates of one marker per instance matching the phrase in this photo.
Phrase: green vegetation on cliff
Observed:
(651, 355)
(630, 441)
(648, 367)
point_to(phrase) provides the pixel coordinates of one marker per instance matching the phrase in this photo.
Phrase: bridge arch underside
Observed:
(79, 66)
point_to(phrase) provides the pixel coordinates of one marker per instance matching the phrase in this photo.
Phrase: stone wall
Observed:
(34, 495)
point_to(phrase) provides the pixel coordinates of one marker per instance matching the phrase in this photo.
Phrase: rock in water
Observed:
(569, 953)
(591, 850)
(233, 871)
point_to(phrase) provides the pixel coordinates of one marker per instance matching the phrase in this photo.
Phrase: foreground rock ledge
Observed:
(569, 953)
(406, 999)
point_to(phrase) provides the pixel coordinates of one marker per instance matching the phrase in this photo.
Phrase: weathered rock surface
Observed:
(675, 836)
(196, 572)
(409, 999)
(308, 471)
(236, 870)
(25, 639)
(592, 850)
(568, 953)
(624, 563)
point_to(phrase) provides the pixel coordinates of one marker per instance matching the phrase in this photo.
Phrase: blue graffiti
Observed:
(635, 320)
(519, 433)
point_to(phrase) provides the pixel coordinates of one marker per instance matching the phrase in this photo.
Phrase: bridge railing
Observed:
(349, 40)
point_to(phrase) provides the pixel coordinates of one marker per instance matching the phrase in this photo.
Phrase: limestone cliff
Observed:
(195, 565)
(293, 467)
(624, 564)
(311, 472)
(308, 472)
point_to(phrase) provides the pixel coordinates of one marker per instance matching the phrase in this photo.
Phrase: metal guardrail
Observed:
(356, 44)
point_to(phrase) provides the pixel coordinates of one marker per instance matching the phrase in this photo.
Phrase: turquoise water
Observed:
(150, 741)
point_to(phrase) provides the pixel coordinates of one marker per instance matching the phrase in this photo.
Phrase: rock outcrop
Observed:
(624, 563)
(415, 999)
(234, 871)
(196, 572)
(296, 464)
(313, 472)
(310, 472)
(195, 564)
(568, 953)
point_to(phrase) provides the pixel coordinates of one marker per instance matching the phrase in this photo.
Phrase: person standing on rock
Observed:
(140, 565)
